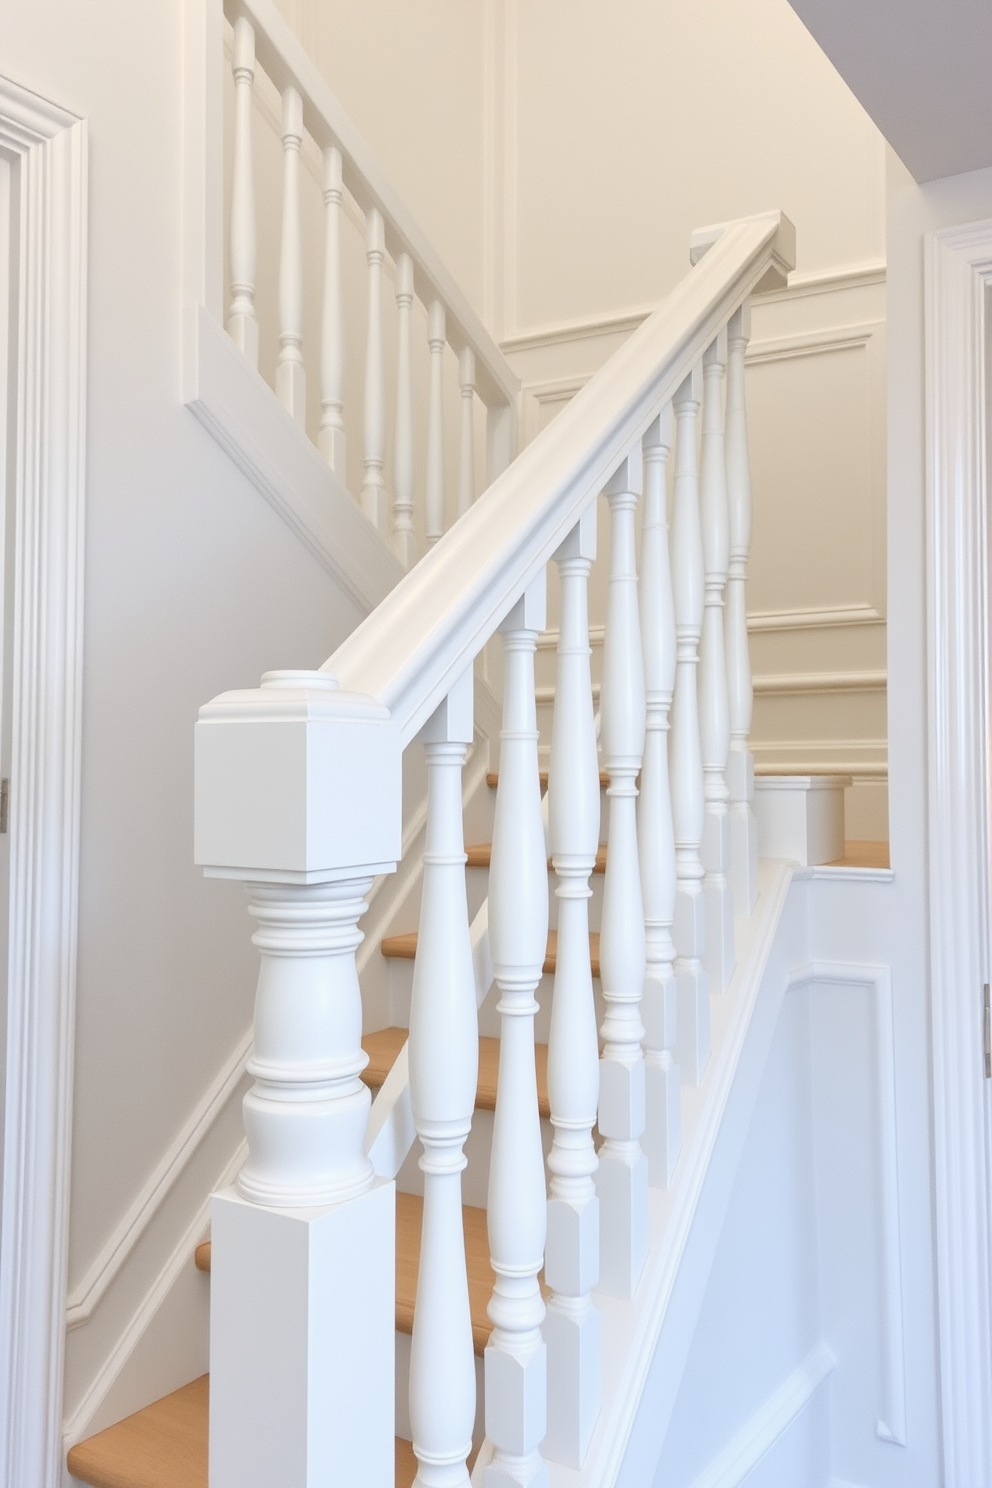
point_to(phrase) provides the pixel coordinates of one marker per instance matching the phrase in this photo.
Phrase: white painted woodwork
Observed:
(740, 694)
(242, 325)
(572, 1327)
(332, 432)
(466, 446)
(516, 1355)
(801, 817)
(444, 1058)
(685, 754)
(434, 480)
(662, 1138)
(622, 1178)
(714, 716)
(291, 378)
(374, 489)
(407, 653)
(404, 539)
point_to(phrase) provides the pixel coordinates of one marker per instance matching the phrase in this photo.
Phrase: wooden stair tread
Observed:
(162, 1446)
(404, 948)
(862, 854)
(383, 1047)
(480, 854)
(165, 1446)
(492, 779)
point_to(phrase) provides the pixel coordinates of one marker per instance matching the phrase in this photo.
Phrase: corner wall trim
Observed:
(758, 1435)
(48, 494)
(958, 275)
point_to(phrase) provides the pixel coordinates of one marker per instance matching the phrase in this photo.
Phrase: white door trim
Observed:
(50, 147)
(958, 269)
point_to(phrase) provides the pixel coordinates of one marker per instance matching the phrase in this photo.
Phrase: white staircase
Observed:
(654, 1032)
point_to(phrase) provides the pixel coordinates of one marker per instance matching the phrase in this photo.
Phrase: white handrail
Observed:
(413, 647)
(287, 64)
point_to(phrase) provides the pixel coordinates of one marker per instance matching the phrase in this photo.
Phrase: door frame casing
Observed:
(49, 146)
(958, 268)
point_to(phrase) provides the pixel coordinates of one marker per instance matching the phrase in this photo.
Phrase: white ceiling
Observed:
(921, 68)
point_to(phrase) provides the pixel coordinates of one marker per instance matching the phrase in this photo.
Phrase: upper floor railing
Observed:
(311, 116)
(298, 792)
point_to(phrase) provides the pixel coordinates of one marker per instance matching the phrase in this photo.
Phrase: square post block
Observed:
(801, 817)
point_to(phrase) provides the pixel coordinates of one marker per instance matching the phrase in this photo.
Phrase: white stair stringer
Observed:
(646, 1341)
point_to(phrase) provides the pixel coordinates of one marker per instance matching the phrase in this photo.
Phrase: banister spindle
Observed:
(444, 1057)
(571, 1267)
(434, 483)
(740, 763)
(242, 325)
(656, 838)
(714, 716)
(374, 490)
(622, 1179)
(516, 1356)
(466, 449)
(291, 380)
(685, 756)
(332, 436)
(403, 534)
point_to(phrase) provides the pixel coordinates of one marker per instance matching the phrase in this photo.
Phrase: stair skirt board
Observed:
(767, 1426)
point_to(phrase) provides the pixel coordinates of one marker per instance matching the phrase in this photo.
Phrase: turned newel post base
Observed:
(297, 793)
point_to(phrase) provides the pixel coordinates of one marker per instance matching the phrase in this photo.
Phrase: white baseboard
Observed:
(744, 1451)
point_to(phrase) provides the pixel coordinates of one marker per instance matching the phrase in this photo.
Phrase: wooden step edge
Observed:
(479, 855)
(166, 1445)
(380, 1047)
(492, 779)
(860, 853)
(404, 948)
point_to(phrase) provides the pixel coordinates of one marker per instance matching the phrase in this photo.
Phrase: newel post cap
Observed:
(296, 782)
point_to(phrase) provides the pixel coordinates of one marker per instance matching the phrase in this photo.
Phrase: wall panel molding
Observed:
(958, 273)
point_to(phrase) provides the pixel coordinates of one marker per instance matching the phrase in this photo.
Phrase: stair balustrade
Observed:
(352, 184)
(298, 793)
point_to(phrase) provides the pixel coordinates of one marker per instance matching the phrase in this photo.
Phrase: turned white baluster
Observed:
(656, 838)
(740, 763)
(403, 535)
(241, 323)
(571, 1268)
(434, 483)
(332, 437)
(685, 755)
(622, 1179)
(714, 715)
(444, 1058)
(374, 490)
(291, 379)
(516, 1356)
(466, 451)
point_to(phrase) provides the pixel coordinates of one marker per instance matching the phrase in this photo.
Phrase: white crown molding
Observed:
(621, 323)
(49, 486)
(760, 1433)
(88, 1292)
(958, 273)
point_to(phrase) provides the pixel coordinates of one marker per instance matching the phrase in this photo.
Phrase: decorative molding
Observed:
(958, 273)
(890, 1423)
(827, 618)
(86, 1295)
(812, 343)
(758, 1435)
(78, 1423)
(625, 321)
(797, 684)
(48, 491)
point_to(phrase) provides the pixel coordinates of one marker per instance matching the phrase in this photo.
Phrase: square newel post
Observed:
(298, 794)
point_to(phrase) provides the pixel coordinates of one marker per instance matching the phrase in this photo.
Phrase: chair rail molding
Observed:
(50, 145)
(958, 274)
